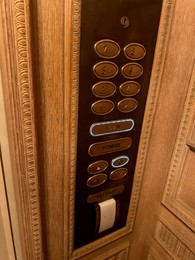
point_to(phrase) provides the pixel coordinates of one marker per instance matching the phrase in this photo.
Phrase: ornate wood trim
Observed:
(181, 150)
(19, 96)
(72, 28)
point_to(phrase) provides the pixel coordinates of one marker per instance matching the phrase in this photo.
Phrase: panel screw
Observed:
(125, 22)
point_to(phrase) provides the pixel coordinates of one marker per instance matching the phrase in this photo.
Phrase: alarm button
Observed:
(127, 105)
(105, 70)
(97, 167)
(96, 180)
(104, 89)
(107, 49)
(134, 51)
(132, 70)
(102, 107)
(129, 88)
(118, 174)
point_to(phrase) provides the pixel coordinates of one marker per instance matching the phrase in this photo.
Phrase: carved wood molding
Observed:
(181, 150)
(71, 100)
(18, 82)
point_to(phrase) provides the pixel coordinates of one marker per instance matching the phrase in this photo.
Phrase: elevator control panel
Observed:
(117, 44)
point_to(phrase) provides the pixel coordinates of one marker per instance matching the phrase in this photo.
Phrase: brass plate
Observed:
(120, 161)
(110, 146)
(97, 167)
(118, 174)
(127, 105)
(134, 51)
(105, 70)
(111, 127)
(107, 49)
(104, 89)
(105, 194)
(129, 88)
(132, 70)
(102, 107)
(96, 180)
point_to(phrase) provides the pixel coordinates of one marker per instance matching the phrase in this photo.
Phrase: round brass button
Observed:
(104, 89)
(129, 88)
(134, 51)
(132, 70)
(120, 161)
(102, 107)
(127, 105)
(105, 70)
(96, 180)
(118, 174)
(107, 49)
(97, 167)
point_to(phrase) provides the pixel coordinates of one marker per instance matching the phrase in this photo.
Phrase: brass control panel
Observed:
(117, 44)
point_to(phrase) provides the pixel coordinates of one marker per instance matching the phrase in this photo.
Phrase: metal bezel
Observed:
(137, 44)
(107, 57)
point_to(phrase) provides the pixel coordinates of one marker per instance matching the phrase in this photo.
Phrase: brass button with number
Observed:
(97, 167)
(132, 70)
(110, 146)
(105, 70)
(102, 107)
(134, 51)
(120, 161)
(107, 49)
(127, 105)
(103, 89)
(118, 174)
(96, 180)
(129, 88)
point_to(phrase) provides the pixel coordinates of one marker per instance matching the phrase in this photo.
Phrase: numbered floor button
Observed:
(134, 51)
(105, 70)
(107, 49)
(96, 180)
(120, 161)
(118, 174)
(102, 107)
(104, 89)
(97, 167)
(127, 105)
(132, 70)
(129, 88)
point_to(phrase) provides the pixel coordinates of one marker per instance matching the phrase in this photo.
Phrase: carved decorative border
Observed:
(19, 69)
(180, 152)
(171, 243)
(164, 28)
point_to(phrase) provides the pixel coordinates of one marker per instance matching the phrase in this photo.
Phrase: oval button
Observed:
(129, 88)
(104, 89)
(97, 167)
(132, 70)
(110, 146)
(102, 107)
(96, 180)
(107, 49)
(127, 105)
(105, 70)
(118, 174)
(120, 161)
(134, 51)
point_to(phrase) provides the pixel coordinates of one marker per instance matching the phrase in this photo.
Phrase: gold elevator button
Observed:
(107, 49)
(97, 167)
(132, 70)
(102, 107)
(105, 70)
(110, 146)
(103, 89)
(118, 174)
(127, 105)
(96, 180)
(134, 51)
(129, 88)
